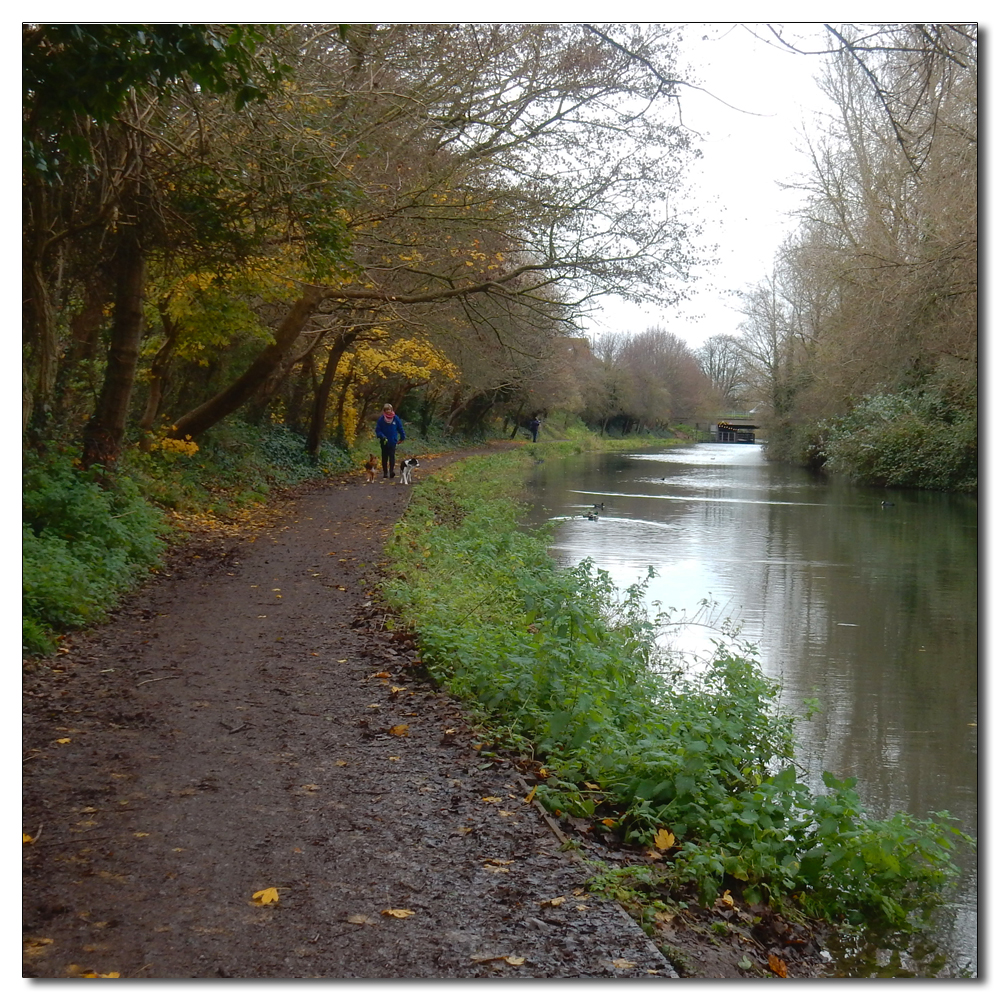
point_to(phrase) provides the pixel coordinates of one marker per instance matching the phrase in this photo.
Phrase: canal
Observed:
(870, 609)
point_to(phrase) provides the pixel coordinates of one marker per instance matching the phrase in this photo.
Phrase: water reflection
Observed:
(871, 610)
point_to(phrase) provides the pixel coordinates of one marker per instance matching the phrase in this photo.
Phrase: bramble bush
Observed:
(563, 667)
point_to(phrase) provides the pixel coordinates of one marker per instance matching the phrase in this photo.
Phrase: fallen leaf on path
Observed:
(664, 839)
(531, 794)
(608, 821)
(341, 763)
(623, 963)
(82, 972)
(26, 838)
(556, 901)
(726, 899)
(361, 918)
(402, 729)
(777, 966)
(398, 913)
(138, 835)
(65, 739)
(492, 798)
(266, 896)
(514, 960)
(35, 945)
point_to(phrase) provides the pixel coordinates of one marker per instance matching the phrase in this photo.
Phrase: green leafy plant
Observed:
(83, 544)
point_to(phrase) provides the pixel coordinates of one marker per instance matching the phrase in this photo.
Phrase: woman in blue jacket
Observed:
(389, 430)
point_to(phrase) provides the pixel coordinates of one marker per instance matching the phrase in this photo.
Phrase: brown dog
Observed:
(370, 466)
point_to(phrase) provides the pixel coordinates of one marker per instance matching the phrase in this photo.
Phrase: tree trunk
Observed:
(341, 436)
(158, 370)
(85, 326)
(105, 432)
(209, 413)
(297, 396)
(340, 344)
(38, 399)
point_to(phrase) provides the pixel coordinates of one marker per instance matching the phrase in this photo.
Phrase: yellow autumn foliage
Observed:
(411, 360)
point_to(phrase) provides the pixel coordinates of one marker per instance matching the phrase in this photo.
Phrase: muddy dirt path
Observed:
(235, 728)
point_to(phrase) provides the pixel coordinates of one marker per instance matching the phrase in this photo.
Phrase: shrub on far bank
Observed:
(912, 438)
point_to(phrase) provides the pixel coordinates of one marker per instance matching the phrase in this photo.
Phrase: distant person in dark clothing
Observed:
(389, 431)
(534, 425)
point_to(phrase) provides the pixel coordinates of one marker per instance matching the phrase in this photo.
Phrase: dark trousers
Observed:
(388, 458)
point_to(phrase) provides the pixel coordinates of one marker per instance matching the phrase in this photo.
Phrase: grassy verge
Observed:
(563, 668)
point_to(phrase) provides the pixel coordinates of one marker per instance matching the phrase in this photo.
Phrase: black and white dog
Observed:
(406, 468)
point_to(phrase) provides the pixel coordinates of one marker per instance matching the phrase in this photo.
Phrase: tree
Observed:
(876, 294)
(721, 361)
(91, 96)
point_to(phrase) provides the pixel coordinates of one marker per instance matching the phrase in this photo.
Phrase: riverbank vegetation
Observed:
(698, 767)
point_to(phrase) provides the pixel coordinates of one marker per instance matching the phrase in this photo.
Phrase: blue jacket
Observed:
(389, 431)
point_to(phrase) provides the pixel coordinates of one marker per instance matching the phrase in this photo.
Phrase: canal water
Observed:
(869, 609)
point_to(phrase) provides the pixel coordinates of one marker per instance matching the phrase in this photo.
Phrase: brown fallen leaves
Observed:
(79, 972)
(400, 914)
(265, 897)
(509, 959)
(777, 966)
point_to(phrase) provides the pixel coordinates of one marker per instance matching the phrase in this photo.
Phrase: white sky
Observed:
(747, 152)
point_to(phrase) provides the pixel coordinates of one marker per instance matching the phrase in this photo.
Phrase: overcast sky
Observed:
(739, 200)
